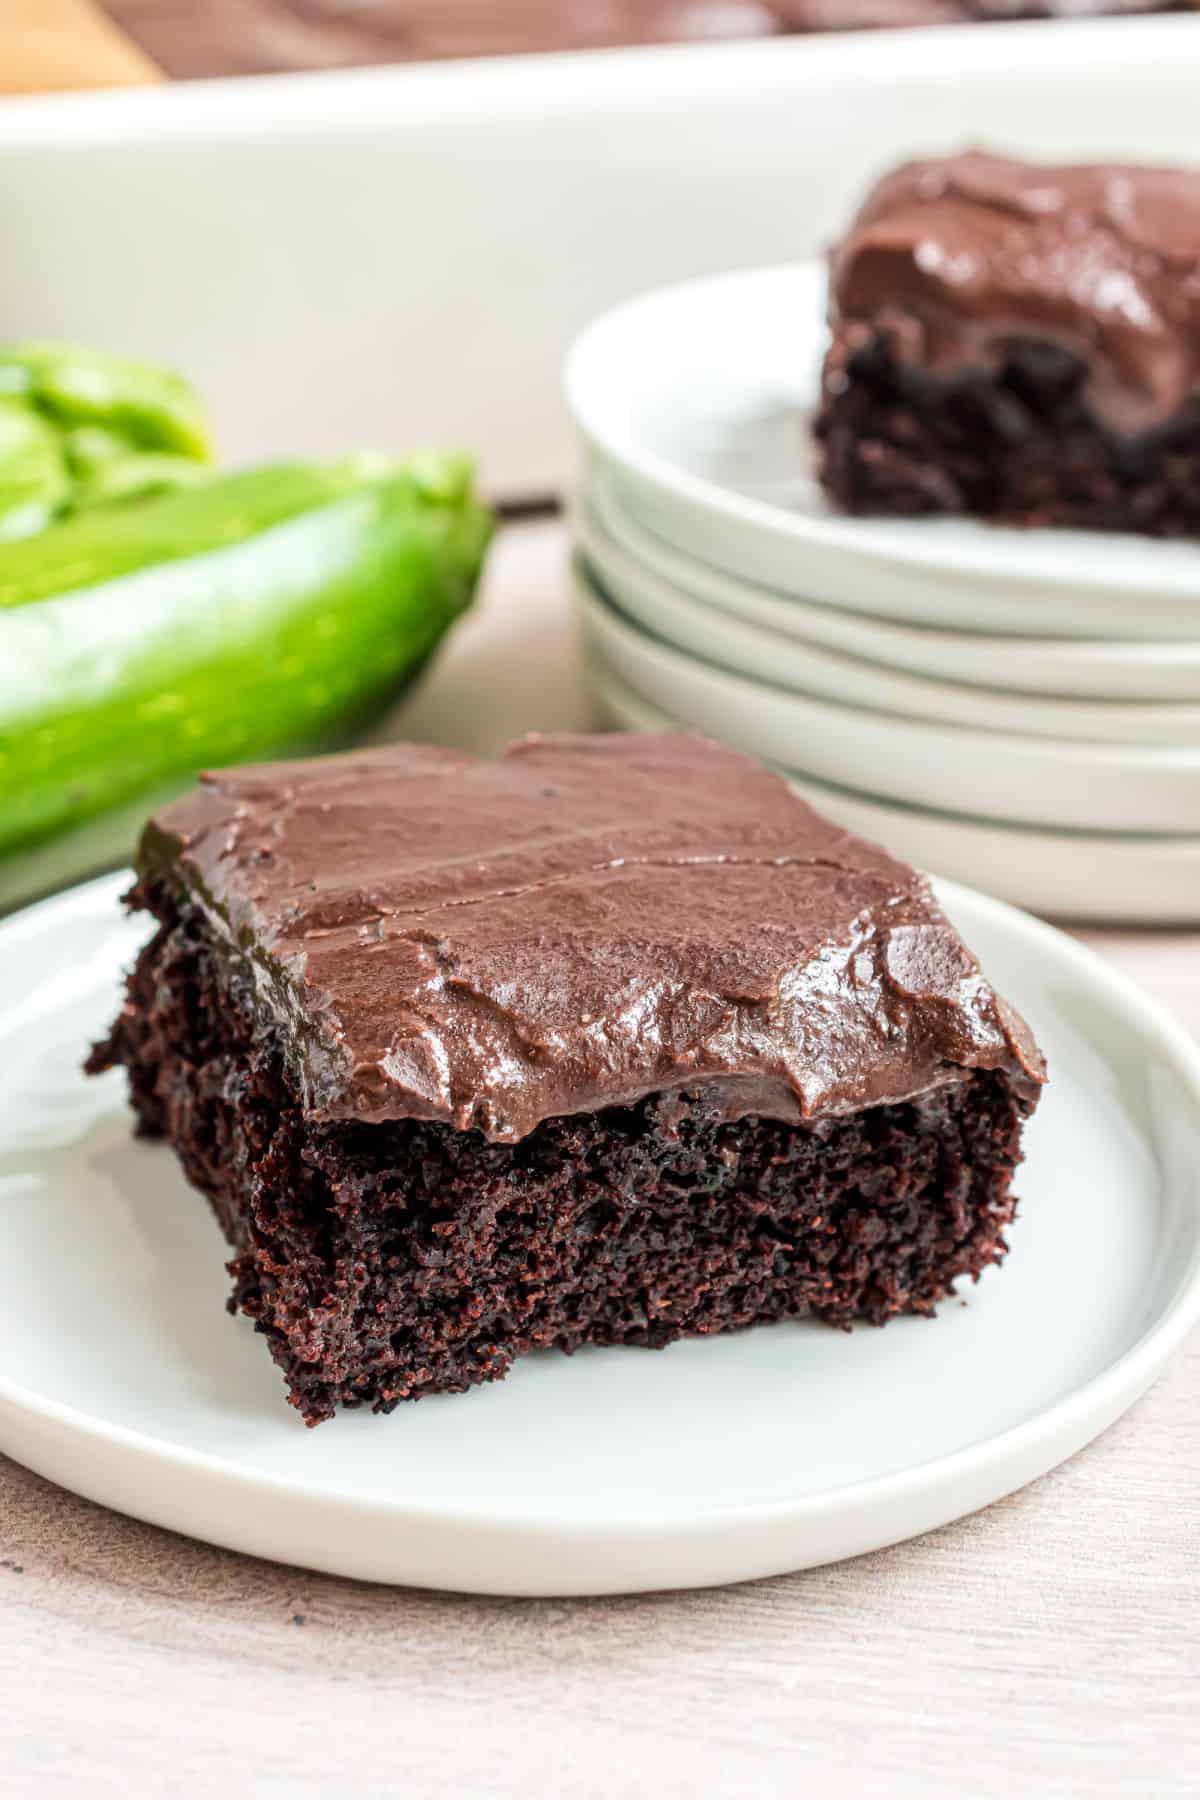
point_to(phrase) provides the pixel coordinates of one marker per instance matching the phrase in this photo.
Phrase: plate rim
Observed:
(942, 557)
(594, 512)
(614, 578)
(1080, 755)
(1071, 1418)
(1048, 836)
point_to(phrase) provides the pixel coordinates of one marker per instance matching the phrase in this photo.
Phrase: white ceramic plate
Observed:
(122, 1377)
(1063, 668)
(715, 637)
(981, 774)
(1061, 874)
(698, 400)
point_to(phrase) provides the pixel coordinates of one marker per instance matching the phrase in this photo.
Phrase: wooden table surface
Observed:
(1050, 1646)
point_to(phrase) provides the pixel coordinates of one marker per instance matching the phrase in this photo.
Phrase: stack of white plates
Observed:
(1018, 709)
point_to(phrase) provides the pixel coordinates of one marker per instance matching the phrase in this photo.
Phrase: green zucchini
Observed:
(144, 404)
(35, 483)
(81, 428)
(257, 614)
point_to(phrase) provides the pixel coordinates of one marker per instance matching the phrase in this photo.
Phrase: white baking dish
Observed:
(398, 255)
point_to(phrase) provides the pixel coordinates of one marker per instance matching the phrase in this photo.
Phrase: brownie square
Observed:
(609, 1041)
(1019, 342)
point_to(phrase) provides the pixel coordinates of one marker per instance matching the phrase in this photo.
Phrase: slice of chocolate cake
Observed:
(607, 1042)
(1021, 343)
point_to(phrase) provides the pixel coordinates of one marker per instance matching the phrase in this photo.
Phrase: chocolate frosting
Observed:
(583, 922)
(959, 258)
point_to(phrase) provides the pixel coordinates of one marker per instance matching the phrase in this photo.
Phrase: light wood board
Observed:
(48, 45)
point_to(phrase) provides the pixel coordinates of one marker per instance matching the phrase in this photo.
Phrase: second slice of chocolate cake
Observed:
(1020, 342)
(609, 1041)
